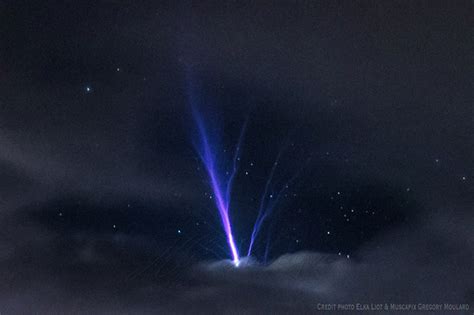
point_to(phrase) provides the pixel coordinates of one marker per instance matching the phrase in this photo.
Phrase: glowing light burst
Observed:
(221, 191)
(222, 188)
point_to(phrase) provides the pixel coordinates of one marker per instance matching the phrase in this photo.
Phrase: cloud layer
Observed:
(44, 274)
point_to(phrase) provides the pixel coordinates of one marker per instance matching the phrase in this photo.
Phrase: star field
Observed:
(359, 131)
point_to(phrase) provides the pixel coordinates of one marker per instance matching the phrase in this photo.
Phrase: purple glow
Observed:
(262, 212)
(268, 202)
(235, 167)
(222, 186)
(222, 200)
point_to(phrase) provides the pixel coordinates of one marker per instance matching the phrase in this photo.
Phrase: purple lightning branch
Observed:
(221, 192)
(222, 185)
(235, 167)
(262, 213)
(268, 202)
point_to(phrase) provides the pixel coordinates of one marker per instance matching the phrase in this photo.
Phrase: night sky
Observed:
(107, 208)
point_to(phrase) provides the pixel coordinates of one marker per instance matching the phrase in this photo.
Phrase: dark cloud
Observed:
(48, 275)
